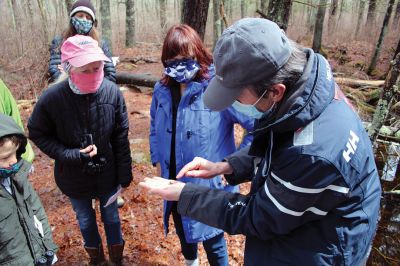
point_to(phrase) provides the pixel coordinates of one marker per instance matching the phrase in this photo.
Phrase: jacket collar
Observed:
(20, 178)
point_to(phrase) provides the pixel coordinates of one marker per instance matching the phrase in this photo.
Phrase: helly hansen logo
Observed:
(238, 203)
(351, 146)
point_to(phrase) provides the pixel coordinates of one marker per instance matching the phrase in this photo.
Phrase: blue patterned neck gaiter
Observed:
(82, 26)
(182, 70)
(10, 171)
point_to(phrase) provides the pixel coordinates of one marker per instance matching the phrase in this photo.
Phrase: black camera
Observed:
(86, 140)
(95, 165)
(92, 165)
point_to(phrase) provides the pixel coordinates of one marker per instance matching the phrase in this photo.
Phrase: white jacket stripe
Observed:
(290, 186)
(288, 211)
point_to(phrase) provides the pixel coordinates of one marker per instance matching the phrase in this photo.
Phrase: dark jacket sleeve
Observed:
(120, 142)
(277, 208)
(42, 128)
(55, 58)
(242, 165)
(39, 212)
(109, 68)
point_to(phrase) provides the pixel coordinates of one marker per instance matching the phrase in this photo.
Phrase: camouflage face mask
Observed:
(82, 26)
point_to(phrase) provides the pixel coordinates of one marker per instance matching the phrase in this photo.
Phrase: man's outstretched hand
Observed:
(167, 189)
(203, 168)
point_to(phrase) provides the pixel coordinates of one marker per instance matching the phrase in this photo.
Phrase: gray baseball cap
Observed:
(249, 51)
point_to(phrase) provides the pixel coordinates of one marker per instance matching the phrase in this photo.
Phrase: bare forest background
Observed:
(360, 39)
(28, 26)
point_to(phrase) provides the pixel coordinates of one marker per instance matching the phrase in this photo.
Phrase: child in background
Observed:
(25, 233)
(9, 107)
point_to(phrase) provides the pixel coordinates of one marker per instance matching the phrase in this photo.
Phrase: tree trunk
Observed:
(392, 83)
(69, 4)
(13, 13)
(319, 26)
(397, 50)
(42, 10)
(279, 12)
(163, 17)
(264, 6)
(228, 8)
(396, 17)
(310, 16)
(106, 21)
(371, 13)
(381, 37)
(17, 26)
(360, 17)
(217, 21)
(334, 7)
(130, 23)
(194, 13)
(333, 15)
(243, 8)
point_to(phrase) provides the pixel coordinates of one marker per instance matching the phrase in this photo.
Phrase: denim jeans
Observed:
(215, 247)
(86, 217)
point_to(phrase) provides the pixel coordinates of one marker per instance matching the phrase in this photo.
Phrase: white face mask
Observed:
(251, 110)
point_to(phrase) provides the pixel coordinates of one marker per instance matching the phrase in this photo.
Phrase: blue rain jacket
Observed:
(199, 132)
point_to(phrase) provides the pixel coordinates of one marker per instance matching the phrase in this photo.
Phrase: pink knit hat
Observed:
(80, 50)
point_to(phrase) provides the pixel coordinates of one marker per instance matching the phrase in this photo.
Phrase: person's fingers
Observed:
(193, 165)
(93, 152)
(198, 173)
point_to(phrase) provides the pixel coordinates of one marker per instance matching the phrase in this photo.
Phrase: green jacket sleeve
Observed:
(8, 106)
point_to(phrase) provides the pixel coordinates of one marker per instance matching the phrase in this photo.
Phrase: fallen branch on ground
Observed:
(135, 60)
(359, 82)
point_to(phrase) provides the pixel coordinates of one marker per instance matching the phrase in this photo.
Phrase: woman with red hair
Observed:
(182, 127)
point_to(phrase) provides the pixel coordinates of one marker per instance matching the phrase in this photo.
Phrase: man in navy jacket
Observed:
(315, 191)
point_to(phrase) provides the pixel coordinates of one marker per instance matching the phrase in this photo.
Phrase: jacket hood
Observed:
(306, 101)
(9, 127)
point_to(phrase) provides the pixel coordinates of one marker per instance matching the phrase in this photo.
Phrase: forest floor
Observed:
(141, 215)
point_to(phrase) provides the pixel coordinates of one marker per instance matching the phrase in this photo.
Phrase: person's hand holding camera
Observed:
(90, 150)
(87, 153)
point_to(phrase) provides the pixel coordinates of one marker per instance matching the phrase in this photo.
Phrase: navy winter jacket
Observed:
(55, 59)
(58, 122)
(315, 192)
(199, 132)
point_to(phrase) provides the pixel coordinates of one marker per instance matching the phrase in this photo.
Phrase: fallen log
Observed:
(135, 60)
(359, 82)
(135, 79)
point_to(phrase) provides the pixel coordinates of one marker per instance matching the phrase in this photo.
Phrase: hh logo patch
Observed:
(351, 146)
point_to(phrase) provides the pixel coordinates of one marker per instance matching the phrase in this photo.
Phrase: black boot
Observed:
(96, 255)
(115, 253)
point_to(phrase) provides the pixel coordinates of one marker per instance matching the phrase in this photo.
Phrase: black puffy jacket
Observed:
(59, 120)
(55, 59)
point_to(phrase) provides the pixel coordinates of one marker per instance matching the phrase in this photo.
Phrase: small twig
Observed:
(386, 258)
(222, 14)
(307, 4)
